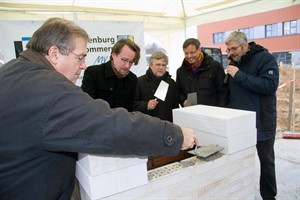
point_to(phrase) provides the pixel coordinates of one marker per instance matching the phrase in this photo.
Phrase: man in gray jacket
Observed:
(46, 119)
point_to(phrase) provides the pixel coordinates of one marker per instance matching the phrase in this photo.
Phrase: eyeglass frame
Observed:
(233, 48)
(125, 60)
(81, 58)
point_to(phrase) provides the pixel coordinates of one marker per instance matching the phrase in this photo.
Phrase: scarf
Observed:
(154, 78)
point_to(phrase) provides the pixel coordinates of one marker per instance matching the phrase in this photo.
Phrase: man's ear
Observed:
(113, 55)
(53, 54)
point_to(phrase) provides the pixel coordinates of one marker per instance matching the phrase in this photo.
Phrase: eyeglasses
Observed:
(125, 60)
(81, 58)
(233, 48)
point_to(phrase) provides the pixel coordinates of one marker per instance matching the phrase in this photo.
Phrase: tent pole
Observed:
(184, 18)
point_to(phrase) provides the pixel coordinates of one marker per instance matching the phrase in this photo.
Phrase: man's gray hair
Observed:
(157, 56)
(59, 32)
(236, 36)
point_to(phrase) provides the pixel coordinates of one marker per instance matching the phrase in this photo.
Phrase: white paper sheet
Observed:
(162, 90)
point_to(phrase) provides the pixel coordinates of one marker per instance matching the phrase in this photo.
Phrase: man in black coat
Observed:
(202, 75)
(144, 99)
(146, 102)
(113, 81)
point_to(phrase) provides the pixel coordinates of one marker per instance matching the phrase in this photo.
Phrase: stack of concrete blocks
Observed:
(235, 130)
(230, 175)
(231, 128)
(101, 175)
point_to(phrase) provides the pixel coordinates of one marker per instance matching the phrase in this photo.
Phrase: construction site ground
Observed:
(287, 151)
(287, 161)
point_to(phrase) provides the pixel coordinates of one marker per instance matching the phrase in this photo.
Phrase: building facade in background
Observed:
(276, 30)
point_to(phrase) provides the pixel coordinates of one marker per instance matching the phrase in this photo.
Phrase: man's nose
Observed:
(83, 66)
(128, 65)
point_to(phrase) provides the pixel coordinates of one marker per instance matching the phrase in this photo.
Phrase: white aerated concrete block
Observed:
(101, 164)
(110, 183)
(231, 144)
(215, 120)
(232, 129)
(227, 177)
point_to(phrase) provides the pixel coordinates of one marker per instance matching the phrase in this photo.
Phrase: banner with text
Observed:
(103, 35)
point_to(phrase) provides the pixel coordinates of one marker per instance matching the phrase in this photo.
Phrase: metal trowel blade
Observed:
(206, 151)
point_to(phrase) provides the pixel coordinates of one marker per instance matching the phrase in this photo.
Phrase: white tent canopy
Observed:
(161, 8)
(175, 13)
(169, 21)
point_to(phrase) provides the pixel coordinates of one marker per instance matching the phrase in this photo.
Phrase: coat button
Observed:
(169, 139)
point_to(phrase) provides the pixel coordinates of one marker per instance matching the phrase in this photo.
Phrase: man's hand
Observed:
(185, 103)
(189, 139)
(232, 70)
(152, 104)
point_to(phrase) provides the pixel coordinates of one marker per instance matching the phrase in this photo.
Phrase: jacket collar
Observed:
(36, 57)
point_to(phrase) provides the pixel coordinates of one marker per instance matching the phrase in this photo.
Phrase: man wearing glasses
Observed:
(113, 81)
(46, 119)
(253, 83)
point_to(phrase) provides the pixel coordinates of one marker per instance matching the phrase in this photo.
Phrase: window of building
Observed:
(290, 27)
(263, 31)
(293, 27)
(249, 32)
(280, 29)
(218, 38)
(284, 57)
(286, 28)
(271, 30)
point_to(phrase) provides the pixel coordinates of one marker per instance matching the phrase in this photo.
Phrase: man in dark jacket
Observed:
(253, 83)
(46, 119)
(201, 74)
(113, 81)
(146, 102)
(144, 99)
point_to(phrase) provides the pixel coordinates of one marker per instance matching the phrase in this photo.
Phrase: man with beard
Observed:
(253, 83)
(113, 81)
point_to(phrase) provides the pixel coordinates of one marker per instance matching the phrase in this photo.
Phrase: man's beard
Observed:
(119, 74)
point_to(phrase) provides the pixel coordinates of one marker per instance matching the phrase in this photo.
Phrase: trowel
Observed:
(206, 151)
